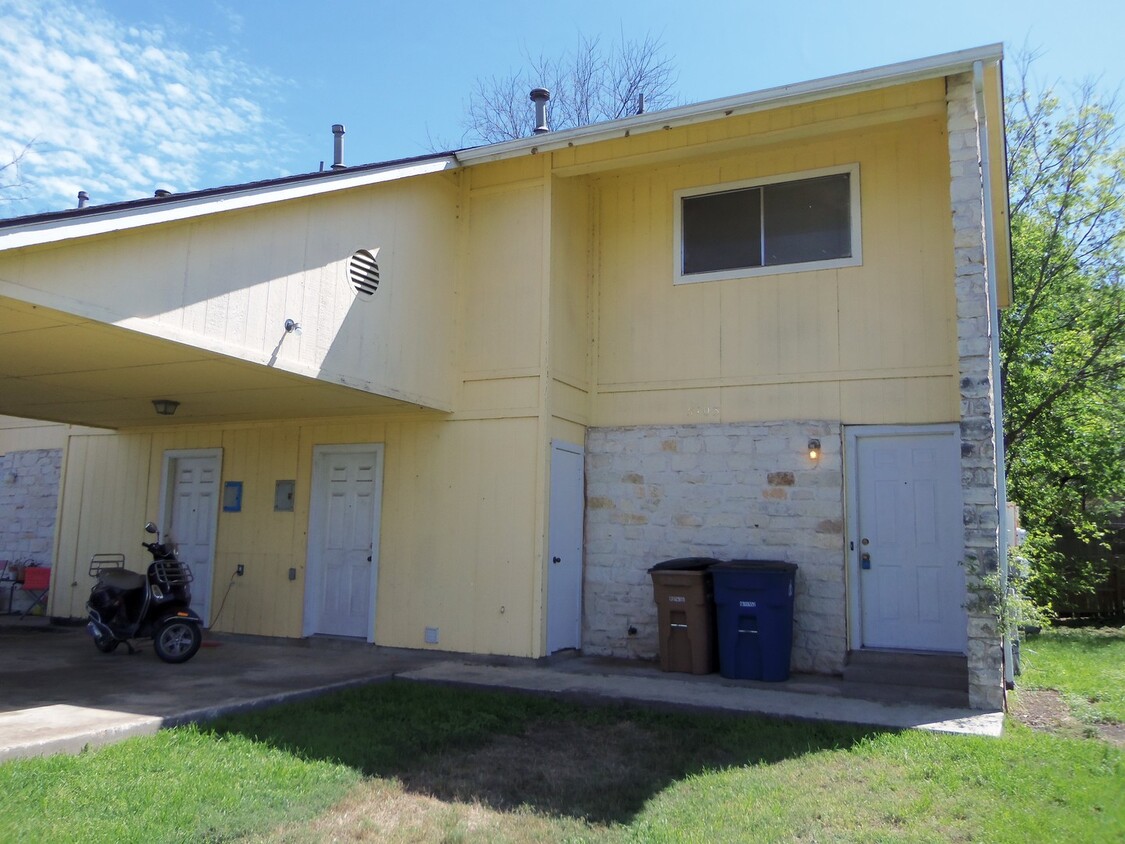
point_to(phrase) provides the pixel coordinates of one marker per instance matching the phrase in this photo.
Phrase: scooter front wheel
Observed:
(106, 645)
(177, 640)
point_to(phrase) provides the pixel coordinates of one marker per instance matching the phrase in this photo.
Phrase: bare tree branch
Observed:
(11, 178)
(588, 85)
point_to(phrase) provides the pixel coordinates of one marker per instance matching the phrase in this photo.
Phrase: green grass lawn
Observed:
(1085, 664)
(404, 762)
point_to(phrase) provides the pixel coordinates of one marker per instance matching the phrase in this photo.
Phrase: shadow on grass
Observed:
(505, 750)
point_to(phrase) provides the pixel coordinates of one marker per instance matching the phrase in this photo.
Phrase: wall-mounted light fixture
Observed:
(292, 326)
(165, 407)
(814, 449)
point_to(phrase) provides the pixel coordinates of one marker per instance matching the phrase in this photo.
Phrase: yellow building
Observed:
(465, 401)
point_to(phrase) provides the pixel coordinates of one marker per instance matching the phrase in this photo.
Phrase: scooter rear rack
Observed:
(105, 562)
(170, 573)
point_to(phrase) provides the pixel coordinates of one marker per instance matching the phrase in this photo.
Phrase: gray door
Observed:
(564, 564)
(909, 544)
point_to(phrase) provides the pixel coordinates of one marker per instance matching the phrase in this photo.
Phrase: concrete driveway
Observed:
(58, 693)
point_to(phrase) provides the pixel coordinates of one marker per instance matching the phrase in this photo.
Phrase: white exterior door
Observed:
(564, 566)
(191, 517)
(343, 541)
(906, 539)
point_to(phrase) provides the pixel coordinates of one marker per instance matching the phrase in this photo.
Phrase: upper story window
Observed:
(803, 221)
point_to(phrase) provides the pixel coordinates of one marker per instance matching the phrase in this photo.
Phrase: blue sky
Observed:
(120, 97)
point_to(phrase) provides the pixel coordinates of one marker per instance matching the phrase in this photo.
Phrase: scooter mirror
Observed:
(150, 527)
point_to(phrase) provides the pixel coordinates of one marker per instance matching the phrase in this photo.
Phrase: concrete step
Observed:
(915, 670)
(895, 694)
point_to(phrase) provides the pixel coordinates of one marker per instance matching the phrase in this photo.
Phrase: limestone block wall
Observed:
(29, 493)
(974, 344)
(730, 491)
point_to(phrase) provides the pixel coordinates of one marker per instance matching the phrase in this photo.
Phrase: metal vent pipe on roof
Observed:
(539, 96)
(83, 198)
(338, 147)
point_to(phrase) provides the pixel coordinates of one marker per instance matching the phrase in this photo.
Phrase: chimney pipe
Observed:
(83, 198)
(338, 147)
(539, 96)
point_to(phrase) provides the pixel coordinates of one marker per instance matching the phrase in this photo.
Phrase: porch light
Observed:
(165, 407)
(814, 449)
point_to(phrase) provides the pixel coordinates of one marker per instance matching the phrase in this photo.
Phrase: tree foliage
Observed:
(1063, 340)
(591, 84)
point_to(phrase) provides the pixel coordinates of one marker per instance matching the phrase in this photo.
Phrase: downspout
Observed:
(997, 391)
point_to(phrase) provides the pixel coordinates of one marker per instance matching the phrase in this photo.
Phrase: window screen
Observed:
(791, 222)
(807, 220)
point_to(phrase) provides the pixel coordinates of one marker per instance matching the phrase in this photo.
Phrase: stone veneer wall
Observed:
(29, 498)
(974, 344)
(731, 491)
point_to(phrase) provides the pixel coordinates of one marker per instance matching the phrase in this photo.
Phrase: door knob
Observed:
(556, 559)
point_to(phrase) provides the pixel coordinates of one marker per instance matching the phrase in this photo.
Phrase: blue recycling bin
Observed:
(754, 614)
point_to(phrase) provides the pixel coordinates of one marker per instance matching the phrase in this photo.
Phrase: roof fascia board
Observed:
(784, 95)
(173, 209)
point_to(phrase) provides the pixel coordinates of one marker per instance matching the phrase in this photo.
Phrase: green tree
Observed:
(1063, 340)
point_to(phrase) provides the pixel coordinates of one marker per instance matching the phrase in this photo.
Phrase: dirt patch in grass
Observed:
(1046, 710)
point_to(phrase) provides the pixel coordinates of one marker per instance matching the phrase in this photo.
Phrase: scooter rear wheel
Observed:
(177, 640)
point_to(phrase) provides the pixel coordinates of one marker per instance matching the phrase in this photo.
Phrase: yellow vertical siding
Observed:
(105, 490)
(459, 530)
(29, 434)
(501, 296)
(226, 283)
(267, 543)
(797, 345)
(459, 548)
(570, 282)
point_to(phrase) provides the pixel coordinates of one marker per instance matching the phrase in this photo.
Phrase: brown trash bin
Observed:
(685, 610)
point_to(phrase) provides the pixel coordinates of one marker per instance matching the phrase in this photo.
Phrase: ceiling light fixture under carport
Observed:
(165, 407)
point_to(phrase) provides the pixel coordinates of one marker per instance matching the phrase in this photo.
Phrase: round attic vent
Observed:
(363, 272)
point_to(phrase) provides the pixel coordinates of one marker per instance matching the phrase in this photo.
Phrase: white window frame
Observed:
(854, 260)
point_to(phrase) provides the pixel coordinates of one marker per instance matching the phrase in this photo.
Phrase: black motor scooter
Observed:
(126, 605)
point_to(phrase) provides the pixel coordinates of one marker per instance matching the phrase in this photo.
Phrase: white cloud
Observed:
(119, 110)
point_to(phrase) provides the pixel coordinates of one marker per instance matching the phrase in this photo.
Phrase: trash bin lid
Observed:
(685, 564)
(755, 565)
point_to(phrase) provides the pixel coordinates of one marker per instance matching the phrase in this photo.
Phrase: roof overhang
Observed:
(68, 225)
(886, 76)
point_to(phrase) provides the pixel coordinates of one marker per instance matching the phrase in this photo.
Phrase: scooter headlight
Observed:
(156, 592)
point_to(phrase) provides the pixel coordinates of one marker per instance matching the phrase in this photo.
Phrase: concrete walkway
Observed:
(59, 695)
(713, 693)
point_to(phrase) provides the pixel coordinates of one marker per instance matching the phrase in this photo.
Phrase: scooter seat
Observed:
(122, 579)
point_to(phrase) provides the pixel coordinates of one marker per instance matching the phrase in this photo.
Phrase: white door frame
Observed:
(554, 539)
(167, 486)
(315, 543)
(852, 435)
